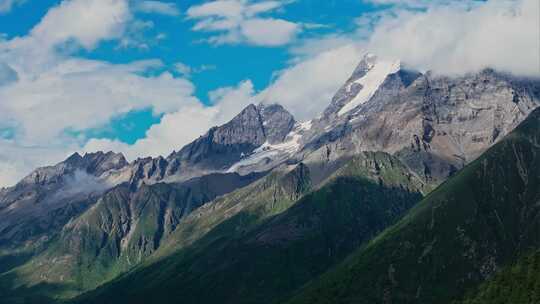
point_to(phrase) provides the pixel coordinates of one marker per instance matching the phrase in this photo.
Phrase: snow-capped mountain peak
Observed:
(366, 86)
(271, 154)
(366, 79)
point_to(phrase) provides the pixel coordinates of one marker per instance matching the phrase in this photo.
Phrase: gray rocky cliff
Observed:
(435, 124)
(220, 147)
(48, 197)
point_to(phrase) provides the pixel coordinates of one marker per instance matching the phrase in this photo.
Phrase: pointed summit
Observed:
(367, 63)
(99, 162)
(227, 144)
(277, 122)
(73, 158)
(368, 76)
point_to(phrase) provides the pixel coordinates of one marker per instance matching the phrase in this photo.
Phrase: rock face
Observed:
(277, 122)
(222, 146)
(218, 149)
(435, 124)
(105, 215)
(273, 227)
(483, 219)
(91, 163)
(47, 198)
(124, 227)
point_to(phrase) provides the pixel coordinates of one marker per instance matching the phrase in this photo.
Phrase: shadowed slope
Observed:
(254, 256)
(479, 220)
(119, 231)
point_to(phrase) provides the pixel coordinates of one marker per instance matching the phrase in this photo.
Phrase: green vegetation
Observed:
(458, 236)
(516, 284)
(282, 240)
(263, 243)
(122, 229)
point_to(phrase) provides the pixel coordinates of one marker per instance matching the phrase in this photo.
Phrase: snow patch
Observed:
(305, 126)
(290, 145)
(370, 83)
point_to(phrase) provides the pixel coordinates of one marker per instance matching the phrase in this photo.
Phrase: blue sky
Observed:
(222, 65)
(145, 77)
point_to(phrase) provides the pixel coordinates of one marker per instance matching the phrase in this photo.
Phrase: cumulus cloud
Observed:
(454, 38)
(450, 37)
(47, 93)
(157, 7)
(183, 126)
(87, 21)
(270, 32)
(240, 21)
(92, 93)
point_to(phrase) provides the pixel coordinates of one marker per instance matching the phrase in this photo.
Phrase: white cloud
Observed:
(17, 160)
(49, 92)
(269, 32)
(447, 37)
(240, 21)
(450, 39)
(183, 126)
(182, 68)
(307, 87)
(136, 35)
(7, 5)
(187, 71)
(220, 8)
(45, 91)
(415, 4)
(92, 93)
(157, 7)
(7, 74)
(87, 21)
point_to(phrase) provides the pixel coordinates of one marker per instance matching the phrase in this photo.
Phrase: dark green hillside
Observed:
(261, 254)
(516, 284)
(122, 229)
(480, 220)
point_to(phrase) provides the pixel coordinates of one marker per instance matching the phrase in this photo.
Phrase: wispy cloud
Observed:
(240, 21)
(187, 70)
(157, 7)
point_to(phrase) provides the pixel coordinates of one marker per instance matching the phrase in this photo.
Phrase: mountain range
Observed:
(409, 187)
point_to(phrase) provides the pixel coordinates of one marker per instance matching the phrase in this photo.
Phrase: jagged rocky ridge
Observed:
(433, 124)
(124, 227)
(436, 124)
(47, 198)
(260, 243)
(483, 219)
